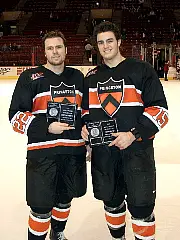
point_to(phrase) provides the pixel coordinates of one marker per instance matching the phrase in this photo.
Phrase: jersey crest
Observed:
(110, 94)
(63, 93)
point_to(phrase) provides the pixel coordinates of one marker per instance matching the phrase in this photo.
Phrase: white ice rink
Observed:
(87, 221)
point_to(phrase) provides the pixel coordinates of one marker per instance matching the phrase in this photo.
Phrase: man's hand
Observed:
(58, 127)
(84, 133)
(123, 140)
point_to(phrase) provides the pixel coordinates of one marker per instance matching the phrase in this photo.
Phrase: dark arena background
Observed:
(150, 31)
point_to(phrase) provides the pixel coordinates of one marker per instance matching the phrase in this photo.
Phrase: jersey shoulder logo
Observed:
(63, 93)
(110, 94)
(37, 75)
(92, 72)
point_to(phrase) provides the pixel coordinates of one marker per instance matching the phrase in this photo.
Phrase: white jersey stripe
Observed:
(84, 114)
(55, 141)
(152, 120)
(61, 210)
(145, 238)
(95, 106)
(122, 105)
(29, 122)
(116, 226)
(41, 220)
(115, 214)
(92, 89)
(42, 95)
(164, 109)
(143, 224)
(45, 110)
(37, 233)
(59, 219)
(78, 93)
(39, 111)
(14, 117)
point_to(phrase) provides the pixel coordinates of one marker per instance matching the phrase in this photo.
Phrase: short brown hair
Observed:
(54, 34)
(106, 27)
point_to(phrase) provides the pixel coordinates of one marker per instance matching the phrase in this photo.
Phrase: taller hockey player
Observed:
(129, 91)
(56, 153)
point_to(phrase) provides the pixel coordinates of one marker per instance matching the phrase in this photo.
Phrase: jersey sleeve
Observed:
(155, 115)
(20, 111)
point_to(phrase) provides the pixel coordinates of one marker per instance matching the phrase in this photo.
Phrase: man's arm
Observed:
(20, 112)
(154, 117)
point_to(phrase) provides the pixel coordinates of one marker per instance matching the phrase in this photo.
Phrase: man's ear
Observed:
(119, 42)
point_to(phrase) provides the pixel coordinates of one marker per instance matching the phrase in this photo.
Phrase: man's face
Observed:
(108, 45)
(55, 51)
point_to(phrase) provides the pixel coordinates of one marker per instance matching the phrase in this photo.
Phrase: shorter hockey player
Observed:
(56, 153)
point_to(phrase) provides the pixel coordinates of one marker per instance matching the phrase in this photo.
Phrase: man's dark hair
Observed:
(106, 27)
(54, 34)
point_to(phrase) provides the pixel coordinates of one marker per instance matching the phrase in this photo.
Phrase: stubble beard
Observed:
(55, 63)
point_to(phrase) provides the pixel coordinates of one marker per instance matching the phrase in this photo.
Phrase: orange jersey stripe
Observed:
(93, 98)
(153, 111)
(78, 100)
(59, 214)
(115, 220)
(140, 139)
(55, 145)
(38, 226)
(152, 137)
(40, 103)
(145, 231)
(84, 111)
(130, 95)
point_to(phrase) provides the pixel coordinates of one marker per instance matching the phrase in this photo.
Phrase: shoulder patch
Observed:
(37, 75)
(92, 72)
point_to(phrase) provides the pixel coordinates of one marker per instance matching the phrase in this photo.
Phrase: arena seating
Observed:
(8, 5)
(139, 25)
(23, 56)
(39, 5)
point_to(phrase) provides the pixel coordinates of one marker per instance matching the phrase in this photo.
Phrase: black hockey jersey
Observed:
(28, 109)
(131, 93)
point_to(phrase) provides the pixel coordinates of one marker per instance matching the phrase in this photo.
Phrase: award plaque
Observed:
(100, 132)
(68, 114)
(53, 111)
(62, 112)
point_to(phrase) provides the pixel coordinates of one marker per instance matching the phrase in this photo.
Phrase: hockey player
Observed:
(56, 153)
(129, 91)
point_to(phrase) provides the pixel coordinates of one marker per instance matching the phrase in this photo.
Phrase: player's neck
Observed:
(115, 61)
(56, 69)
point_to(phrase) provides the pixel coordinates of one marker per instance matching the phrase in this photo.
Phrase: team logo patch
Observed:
(63, 93)
(110, 94)
(37, 75)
